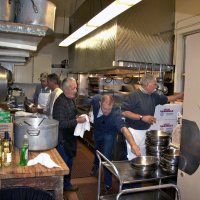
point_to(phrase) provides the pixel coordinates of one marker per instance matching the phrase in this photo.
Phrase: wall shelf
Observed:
(18, 40)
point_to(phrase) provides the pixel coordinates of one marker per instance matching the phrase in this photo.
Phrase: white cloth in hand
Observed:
(23, 114)
(43, 159)
(91, 118)
(82, 127)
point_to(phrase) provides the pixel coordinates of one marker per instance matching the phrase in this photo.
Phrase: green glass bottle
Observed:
(24, 152)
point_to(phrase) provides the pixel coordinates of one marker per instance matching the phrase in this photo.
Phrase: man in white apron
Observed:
(42, 92)
(138, 110)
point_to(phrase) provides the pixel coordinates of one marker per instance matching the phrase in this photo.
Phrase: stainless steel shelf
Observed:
(127, 173)
(18, 40)
(124, 172)
(29, 29)
(150, 195)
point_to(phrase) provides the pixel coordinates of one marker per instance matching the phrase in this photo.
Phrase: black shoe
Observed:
(72, 188)
(107, 189)
(94, 171)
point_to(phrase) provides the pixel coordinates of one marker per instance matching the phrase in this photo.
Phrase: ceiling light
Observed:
(111, 11)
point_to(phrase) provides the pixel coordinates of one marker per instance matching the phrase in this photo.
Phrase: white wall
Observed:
(191, 110)
(187, 21)
(186, 59)
(50, 45)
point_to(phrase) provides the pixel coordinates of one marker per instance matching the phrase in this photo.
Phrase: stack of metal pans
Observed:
(156, 142)
(169, 160)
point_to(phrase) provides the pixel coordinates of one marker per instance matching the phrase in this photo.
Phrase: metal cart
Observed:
(123, 171)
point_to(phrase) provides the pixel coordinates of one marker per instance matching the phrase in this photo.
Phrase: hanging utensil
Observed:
(34, 7)
(146, 68)
(139, 74)
(152, 68)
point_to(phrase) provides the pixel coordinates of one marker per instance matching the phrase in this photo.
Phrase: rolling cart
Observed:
(125, 174)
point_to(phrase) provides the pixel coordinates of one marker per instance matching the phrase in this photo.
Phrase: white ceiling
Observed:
(65, 8)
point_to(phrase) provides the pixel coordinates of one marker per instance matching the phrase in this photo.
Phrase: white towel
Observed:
(23, 114)
(82, 127)
(43, 159)
(91, 118)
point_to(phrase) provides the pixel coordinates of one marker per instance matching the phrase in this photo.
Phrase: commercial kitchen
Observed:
(159, 37)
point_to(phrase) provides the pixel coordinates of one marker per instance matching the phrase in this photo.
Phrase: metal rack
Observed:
(150, 192)
(125, 174)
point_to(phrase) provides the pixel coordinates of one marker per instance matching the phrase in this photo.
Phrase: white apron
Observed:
(42, 99)
(139, 137)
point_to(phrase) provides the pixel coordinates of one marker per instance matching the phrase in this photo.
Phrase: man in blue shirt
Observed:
(108, 122)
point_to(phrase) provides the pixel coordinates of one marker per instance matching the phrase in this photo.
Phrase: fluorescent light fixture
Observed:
(111, 11)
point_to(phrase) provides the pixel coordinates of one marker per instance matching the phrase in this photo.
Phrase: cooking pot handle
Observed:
(34, 7)
(33, 132)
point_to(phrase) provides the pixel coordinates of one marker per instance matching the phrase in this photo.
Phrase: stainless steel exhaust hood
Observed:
(143, 34)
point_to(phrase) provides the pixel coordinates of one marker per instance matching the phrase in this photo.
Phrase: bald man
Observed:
(108, 122)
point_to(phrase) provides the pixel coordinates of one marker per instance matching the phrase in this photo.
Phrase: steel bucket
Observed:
(36, 12)
(42, 133)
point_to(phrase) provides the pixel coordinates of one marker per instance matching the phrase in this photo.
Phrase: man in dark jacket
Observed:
(108, 122)
(65, 112)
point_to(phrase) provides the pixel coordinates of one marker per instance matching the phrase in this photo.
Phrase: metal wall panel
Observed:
(144, 33)
(96, 51)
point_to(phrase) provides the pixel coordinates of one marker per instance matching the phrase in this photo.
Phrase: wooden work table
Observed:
(37, 175)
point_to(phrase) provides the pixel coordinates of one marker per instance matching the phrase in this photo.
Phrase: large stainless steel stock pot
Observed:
(42, 133)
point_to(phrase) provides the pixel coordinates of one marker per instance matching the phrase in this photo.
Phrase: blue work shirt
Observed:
(110, 124)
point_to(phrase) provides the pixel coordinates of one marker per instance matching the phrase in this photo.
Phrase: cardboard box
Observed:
(166, 125)
(167, 111)
(5, 117)
(7, 127)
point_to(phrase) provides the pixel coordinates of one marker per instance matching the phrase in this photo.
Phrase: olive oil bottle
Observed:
(6, 150)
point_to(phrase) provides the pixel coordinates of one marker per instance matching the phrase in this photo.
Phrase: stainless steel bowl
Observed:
(157, 134)
(144, 165)
(141, 161)
(170, 153)
(169, 169)
(158, 141)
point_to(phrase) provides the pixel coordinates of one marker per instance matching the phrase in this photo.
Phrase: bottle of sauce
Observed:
(24, 152)
(6, 150)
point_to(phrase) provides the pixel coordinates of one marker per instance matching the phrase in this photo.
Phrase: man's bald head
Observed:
(106, 104)
(107, 99)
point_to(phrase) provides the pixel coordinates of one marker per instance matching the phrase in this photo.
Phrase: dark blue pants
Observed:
(69, 162)
(104, 144)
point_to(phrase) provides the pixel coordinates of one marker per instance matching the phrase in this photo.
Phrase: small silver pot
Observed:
(7, 10)
(42, 133)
